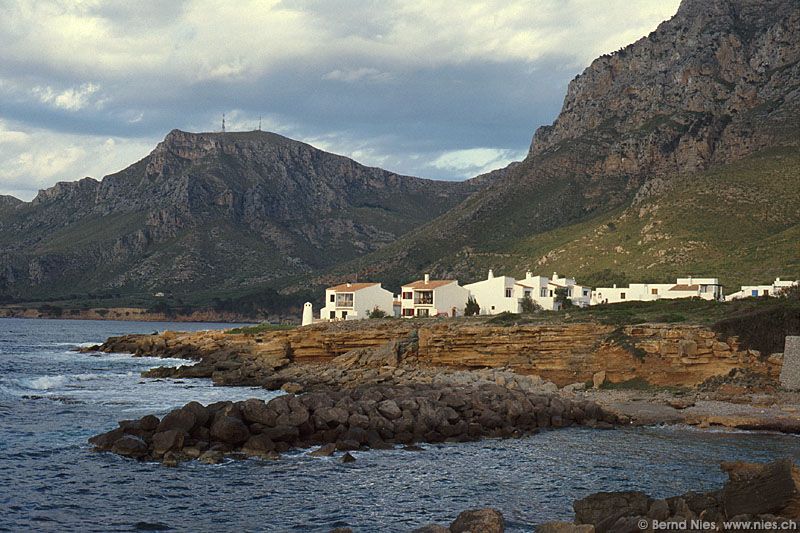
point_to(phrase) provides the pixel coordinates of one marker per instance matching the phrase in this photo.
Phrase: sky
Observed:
(430, 88)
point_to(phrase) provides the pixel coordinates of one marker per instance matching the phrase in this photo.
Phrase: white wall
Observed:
(447, 297)
(771, 290)
(491, 295)
(364, 301)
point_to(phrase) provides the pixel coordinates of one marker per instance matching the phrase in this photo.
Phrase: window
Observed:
(543, 292)
(423, 297)
(344, 314)
(408, 295)
(622, 296)
(344, 300)
(754, 292)
(508, 292)
(569, 292)
(333, 298)
(766, 292)
(423, 312)
(333, 315)
(527, 292)
(408, 312)
(653, 291)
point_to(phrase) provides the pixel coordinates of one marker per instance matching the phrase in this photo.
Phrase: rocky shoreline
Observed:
(756, 497)
(367, 417)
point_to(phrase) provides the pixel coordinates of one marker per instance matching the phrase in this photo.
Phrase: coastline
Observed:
(125, 314)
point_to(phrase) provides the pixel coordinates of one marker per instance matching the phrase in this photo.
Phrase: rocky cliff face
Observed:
(234, 209)
(717, 82)
(563, 353)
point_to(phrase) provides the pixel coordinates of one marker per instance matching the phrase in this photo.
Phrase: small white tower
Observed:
(308, 313)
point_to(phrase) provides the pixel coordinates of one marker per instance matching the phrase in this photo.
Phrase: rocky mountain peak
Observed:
(675, 100)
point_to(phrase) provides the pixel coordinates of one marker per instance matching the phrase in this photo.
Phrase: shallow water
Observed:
(52, 399)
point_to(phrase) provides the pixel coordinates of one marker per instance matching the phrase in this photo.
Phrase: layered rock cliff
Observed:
(563, 353)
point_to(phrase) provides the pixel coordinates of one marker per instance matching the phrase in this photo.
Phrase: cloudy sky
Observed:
(433, 88)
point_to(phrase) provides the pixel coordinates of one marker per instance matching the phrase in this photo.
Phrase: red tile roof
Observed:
(351, 287)
(685, 288)
(432, 284)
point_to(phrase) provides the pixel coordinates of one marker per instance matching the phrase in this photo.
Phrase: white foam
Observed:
(44, 382)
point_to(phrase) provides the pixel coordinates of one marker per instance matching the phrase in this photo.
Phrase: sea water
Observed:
(52, 399)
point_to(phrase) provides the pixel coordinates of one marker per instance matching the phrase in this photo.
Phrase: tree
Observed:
(528, 305)
(562, 298)
(377, 312)
(472, 308)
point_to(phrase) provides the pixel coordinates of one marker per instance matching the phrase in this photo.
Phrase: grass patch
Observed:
(260, 328)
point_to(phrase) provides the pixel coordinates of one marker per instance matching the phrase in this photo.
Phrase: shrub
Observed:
(377, 313)
(472, 308)
(562, 298)
(528, 305)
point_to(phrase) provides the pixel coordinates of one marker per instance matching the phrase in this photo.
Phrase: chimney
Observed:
(528, 274)
(491, 274)
(349, 284)
(690, 280)
(427, 278)
(777, 280)
(555, 276)
(615, 285)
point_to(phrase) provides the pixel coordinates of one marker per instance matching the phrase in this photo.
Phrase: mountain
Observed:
(210, 212)
(692, 131)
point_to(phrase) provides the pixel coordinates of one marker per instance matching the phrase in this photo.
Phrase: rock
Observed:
(680, 403)
(330, 417)
(564, 527)
(282, 433)
(772, 488)
(326, 450)
(130, 446)
(478, 520)
(347, 458)
(603, 509)
(105, 441)
(165, 441)
(598, 379)
(199, 411)
(258, 445)
(341, 530)
(292, 387)
(229, 430)
(256, 411)
(389, 409)
(345, 445)
(211, 457)
(659, 510)
(179, 419)
(149, 423)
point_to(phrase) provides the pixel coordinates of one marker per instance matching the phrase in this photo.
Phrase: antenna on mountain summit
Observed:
(259, 122)
(223, 123)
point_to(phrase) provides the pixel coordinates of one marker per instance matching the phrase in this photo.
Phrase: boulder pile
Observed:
(754, 494)
(351, 419)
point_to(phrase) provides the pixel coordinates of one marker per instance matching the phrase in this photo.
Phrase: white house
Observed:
(350, 301)
(542, 290)
(433, 297)
(495, 294)
(690, 287)
(775, 289)
(498, 294)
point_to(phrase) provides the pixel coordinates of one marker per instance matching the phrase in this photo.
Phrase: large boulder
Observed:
(130, 446)
(330, 417)
(258, 445)
(389, 409)
(165, 441)
(179, 419)
(256, 411)
(479, 521)
(229, 430)
(105, 441)
(772, 488)
(603, 509)
(564, 527)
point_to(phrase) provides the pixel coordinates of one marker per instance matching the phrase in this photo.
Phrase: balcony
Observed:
(423, 297)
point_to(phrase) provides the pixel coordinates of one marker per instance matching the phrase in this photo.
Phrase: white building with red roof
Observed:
(349, 301)
(432, 297)
(689, 287)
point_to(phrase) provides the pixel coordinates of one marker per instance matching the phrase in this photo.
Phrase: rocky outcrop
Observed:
(754, 493)
(359, 418)
(563, 353)
(470, 521)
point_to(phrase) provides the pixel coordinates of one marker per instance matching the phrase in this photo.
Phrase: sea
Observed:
(52, 399)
